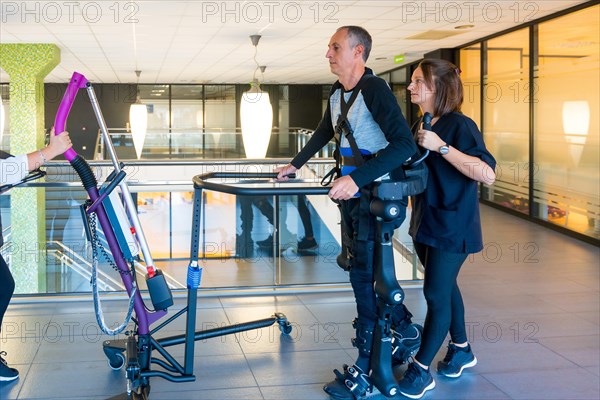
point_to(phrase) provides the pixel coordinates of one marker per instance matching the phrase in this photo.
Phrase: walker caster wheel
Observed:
(117, 362)
(285, 327)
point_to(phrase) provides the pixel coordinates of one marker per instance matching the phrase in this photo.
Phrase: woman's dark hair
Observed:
(444, 78)
(359, 35)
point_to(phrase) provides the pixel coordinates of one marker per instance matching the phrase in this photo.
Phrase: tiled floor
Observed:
(533, 312)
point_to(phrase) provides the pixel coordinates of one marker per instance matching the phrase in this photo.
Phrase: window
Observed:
(566, 145)
(470, 66)
(506, 117)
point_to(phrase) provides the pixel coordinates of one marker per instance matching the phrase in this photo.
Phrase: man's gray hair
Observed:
(359, 35)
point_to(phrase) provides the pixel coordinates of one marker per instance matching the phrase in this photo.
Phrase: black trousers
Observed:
(7, 288)
(445, 308)
(362, 275)
(361, 271)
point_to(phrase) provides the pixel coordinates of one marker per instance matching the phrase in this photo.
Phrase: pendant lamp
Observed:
(256, 114)
(576, 126)
(138, 120)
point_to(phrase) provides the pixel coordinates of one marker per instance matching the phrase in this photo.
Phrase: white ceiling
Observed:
(208, 41)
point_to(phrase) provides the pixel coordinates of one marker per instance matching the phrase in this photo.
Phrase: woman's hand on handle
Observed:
(58, 144)
(469, 166)
(283, 172)
(429, 140)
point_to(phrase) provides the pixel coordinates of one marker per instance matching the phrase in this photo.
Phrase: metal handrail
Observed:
(307, 188)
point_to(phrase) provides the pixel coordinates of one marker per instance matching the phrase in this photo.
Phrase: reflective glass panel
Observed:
(506, 117)
(566, 145)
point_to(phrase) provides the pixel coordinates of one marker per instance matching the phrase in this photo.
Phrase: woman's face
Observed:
(420, 94)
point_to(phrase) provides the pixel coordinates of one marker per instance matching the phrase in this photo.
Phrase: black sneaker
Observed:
(266, 243)
(456, 360)
(416, 382)
(7, 373)
(405, 343)
(307, 244)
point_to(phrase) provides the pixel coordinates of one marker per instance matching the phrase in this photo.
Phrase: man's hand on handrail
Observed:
(284, 172)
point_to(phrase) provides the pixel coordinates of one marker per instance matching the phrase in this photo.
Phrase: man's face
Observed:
(342, 56)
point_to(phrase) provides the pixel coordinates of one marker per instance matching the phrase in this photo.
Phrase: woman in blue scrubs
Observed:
(445, 223)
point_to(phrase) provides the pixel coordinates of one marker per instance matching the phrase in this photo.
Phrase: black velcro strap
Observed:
(350, 161)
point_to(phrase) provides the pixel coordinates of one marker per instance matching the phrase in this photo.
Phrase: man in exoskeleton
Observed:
(364, 105)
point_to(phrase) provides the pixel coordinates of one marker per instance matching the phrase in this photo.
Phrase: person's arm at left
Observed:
(58, 145)
(14, 169)
(470, 166)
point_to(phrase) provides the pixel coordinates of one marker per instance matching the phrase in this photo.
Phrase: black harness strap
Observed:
(343, 125)
(344, 128)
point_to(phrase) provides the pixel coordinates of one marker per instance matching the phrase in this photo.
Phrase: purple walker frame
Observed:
(135, 352)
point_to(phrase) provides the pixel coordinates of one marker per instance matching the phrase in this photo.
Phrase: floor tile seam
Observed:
(535, 314)
(275, 303)
(224, 310)
(538, 369)
(542, 289)
(173, 390)
(582, 314)
(314, 315)
(24, 380)
(276, 308)
(309, 308)
(280, 352)
(484, 377)
(249, 367)
(33, 357)
(597, 335)
(577, 364)
(352, 356)
(308, 305)
(585, 290)
(298, 384)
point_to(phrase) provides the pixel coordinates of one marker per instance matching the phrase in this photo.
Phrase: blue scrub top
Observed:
(446, 214)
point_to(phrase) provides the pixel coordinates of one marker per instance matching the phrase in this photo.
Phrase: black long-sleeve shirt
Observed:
(446, 214)
(378, 126)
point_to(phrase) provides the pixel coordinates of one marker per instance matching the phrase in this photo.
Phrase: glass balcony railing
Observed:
(237, 251)
(204, 144)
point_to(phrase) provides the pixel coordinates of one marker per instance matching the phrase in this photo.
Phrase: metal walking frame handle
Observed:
(282, 188)
(224, 182)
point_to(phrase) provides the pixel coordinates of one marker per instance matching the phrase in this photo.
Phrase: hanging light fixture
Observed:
(576, 126)
(256, 114)
(138, 120)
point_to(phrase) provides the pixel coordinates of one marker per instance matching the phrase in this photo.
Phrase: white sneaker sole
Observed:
(419, 395)
(459, 373)
(6, 379)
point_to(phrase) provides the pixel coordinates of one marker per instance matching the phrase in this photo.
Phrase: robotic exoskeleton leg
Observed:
(390, 214)
(394, 338)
